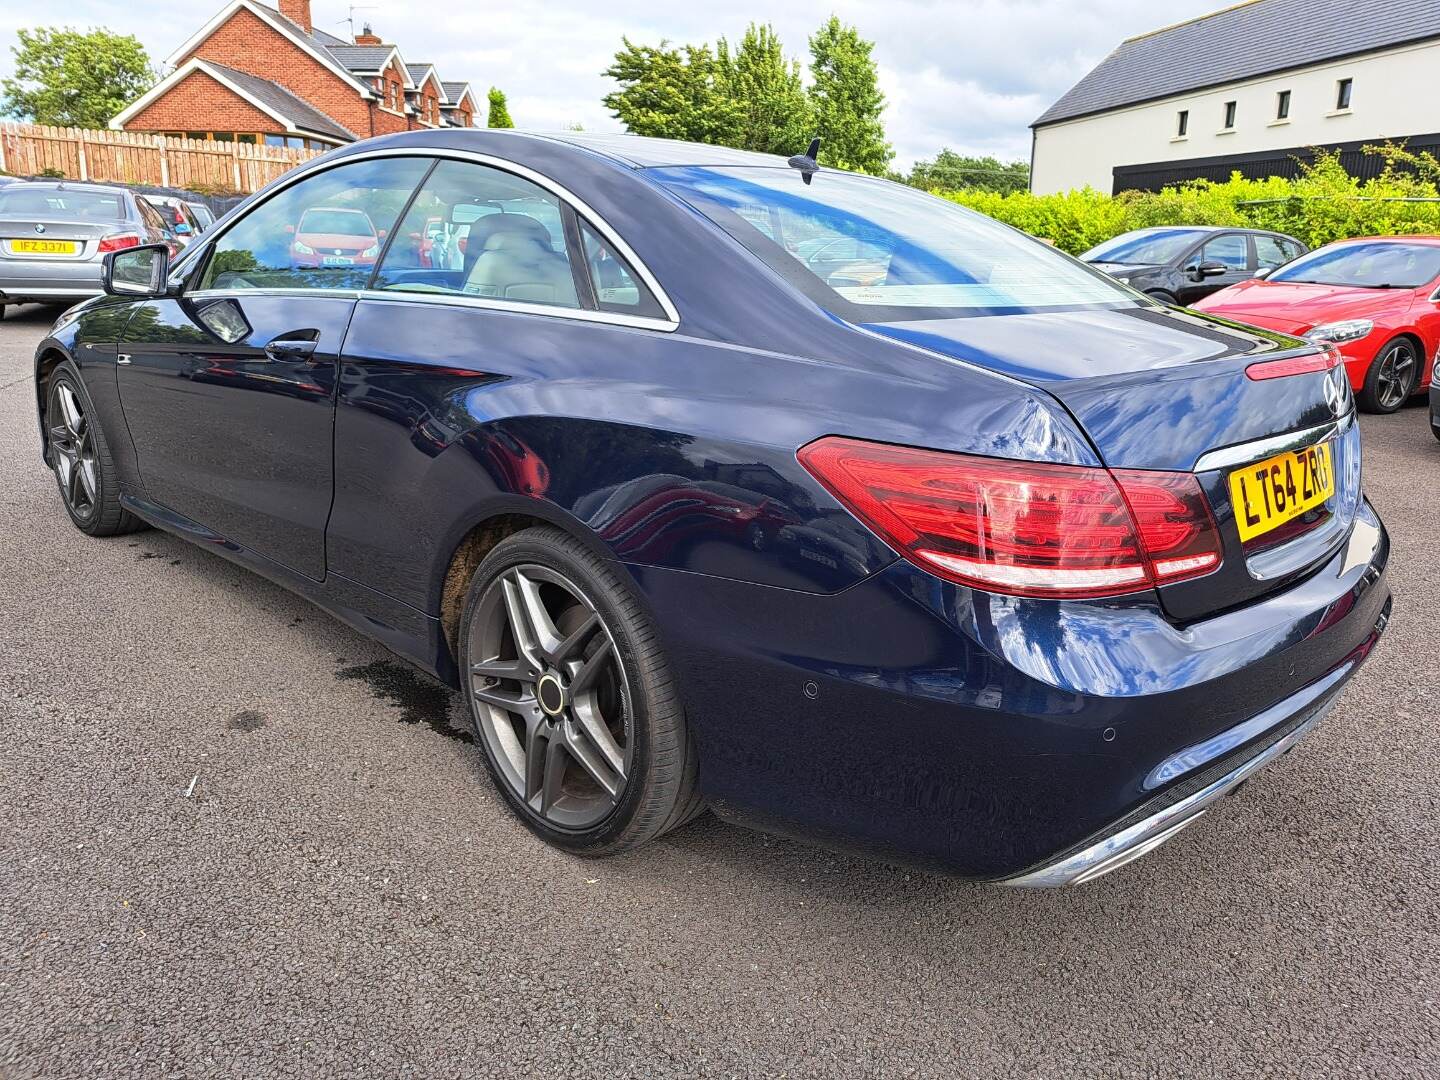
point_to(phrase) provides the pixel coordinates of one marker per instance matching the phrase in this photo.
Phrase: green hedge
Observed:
(1325, 203)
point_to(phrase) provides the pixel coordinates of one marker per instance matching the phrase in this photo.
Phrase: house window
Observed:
(1342, 93)
(1229, 115)
(1182, 123)
(1282, 105)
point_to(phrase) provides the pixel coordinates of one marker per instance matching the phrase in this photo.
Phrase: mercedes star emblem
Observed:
(1335, 393)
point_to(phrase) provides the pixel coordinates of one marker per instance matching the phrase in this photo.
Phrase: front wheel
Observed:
(80, 458)
(572, 699)
(1393, 376)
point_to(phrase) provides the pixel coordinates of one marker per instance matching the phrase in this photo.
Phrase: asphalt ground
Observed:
(343, 893)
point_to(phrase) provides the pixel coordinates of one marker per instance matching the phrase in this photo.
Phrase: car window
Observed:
(1293, 250)
(1270, 252)
(287, 241)
(880, 251)
(151, 216)
(1228, 250)
(474, 230)
(1143, 247)
(617, 288)
(1375, 264)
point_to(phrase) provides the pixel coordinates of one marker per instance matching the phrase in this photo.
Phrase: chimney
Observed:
(367, 36)
(297, 11)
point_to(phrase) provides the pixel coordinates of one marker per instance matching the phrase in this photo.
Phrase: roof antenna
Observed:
(806, 162)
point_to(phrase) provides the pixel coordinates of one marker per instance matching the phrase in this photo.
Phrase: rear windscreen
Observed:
(881, 251)
(55, 204)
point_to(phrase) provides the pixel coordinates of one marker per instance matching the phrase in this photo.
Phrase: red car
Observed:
(1377, 299)
(335, 236)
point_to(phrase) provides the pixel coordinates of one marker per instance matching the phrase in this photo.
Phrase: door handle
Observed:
(299, 345)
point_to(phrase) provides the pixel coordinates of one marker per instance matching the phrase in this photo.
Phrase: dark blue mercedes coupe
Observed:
(716, 479)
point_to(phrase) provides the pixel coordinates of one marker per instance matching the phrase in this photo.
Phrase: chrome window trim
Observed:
(520, 307)
(1231, 457)
(670, 323)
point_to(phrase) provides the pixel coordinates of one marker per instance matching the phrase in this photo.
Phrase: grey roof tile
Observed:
(361, 57)
(303, 115)
(1243, 42)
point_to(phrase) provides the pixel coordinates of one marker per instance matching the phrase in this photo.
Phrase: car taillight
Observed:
(1296, 365)
(119, 243)
(1023, 528)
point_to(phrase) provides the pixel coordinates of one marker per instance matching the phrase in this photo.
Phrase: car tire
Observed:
(1385, 389)
(79, 456)
(577, 712)
(1163, 296)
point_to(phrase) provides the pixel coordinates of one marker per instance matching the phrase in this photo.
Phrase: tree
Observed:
(499, 112)
(952, 172)
(670, 93)
(846, 99)
(766, 106)
(74, 78)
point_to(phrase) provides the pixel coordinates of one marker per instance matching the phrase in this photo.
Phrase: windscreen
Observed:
(888, 251)
(1383, 265)
(1146, 248)
(60, 204)
(336, 223)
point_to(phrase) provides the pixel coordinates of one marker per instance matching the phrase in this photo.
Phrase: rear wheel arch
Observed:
(481, 538)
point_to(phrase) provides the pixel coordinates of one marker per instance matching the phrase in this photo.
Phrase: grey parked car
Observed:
(53, 236)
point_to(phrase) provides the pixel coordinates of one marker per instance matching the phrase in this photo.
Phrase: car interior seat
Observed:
(511, 257)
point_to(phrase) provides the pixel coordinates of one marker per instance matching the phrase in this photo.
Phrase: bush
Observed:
(1323, 204)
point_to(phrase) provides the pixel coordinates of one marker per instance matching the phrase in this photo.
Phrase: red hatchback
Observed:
(1377, 299)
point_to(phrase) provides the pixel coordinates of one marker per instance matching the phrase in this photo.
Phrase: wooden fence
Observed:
(133, 157)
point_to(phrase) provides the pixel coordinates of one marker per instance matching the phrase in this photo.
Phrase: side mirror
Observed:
(290, 229)
(1264, 272)
(1208, 269)
(136, 271)
(380, 234)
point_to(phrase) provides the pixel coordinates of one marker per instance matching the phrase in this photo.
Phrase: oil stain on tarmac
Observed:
(419, 700)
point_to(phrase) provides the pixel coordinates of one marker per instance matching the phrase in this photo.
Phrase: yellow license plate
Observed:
(44, 247)
(1279, 489)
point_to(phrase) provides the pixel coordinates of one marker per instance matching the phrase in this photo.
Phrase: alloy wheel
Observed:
(72, 450)
(554, 703)
(1396, 375)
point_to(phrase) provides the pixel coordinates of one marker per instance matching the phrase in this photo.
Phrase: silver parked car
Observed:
(53, 236)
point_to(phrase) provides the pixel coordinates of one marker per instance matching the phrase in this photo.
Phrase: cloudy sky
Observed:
(968, 74)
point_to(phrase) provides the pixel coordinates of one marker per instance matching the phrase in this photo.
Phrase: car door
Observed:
(535, 290)
(1228, 251)
(229, 387)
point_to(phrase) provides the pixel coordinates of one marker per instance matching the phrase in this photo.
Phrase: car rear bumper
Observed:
(996, 738)
(44, 280)
(1182, 804)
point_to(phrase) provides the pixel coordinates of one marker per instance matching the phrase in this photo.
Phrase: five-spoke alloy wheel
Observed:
(80, 457)
(1393, 377)
(573, 703)
(553, 698)
(72, 450)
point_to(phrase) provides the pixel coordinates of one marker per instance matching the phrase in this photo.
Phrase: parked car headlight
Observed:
(371, 251)
(1336, 332)
(303, 249)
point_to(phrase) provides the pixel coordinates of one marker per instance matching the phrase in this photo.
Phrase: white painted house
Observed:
(1248, 88)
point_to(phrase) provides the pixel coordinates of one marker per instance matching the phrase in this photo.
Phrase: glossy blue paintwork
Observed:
(976, 732)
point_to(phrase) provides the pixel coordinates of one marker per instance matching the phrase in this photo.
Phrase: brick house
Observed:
(260, 75)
